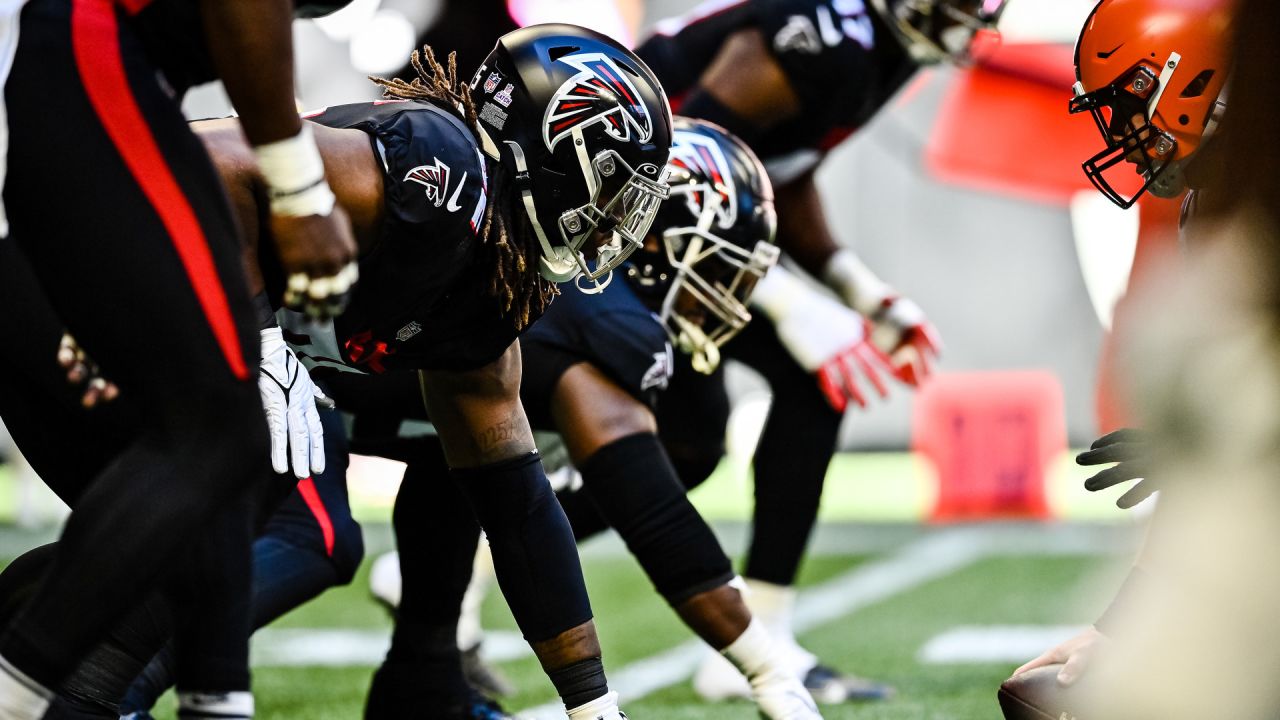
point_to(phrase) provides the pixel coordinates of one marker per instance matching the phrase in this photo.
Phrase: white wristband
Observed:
(856, 284)
(294, 173)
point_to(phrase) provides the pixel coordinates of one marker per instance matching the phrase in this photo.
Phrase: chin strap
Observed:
(705, 354)
(556, 263)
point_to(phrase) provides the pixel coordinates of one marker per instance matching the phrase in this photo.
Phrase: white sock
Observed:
(604, 707)
(21, 698)
(224, 706)
(774, 605)
(752, 652)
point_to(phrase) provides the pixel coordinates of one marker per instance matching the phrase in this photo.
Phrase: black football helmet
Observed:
(585, 128)
(934, 31)
(713, 241)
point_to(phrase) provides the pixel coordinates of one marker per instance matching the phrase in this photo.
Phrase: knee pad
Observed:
(636, 489)
(534, 553)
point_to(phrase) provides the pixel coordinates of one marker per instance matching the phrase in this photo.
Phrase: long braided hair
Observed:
(508, 242)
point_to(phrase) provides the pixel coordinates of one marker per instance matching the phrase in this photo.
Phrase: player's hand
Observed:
(842, 376)
(1132, 451)
(1073, 655)
(832, 341)
(289, 399)
(83, 371)
(318, 255)
(902, 332)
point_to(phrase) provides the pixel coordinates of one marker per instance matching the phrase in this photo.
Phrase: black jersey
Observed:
(841, 60)
(612, 330)
(423, 300)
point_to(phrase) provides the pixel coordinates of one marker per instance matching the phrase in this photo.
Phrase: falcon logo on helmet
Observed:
(701, 157)
(599, 93)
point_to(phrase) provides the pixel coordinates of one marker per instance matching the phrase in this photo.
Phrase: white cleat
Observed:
(783, 697)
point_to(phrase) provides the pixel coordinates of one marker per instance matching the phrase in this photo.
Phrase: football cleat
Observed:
(781, 696)
(830, 686)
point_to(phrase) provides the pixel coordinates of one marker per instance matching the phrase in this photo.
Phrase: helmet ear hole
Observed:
(1195, 88)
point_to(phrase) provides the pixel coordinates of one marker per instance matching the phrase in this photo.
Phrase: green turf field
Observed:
(874, 621)
(1030, 575)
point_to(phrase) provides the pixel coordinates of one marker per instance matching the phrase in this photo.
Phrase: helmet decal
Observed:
(599, 93)
(702, 157)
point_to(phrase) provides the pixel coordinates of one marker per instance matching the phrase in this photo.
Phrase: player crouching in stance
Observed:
(593, 368)
(466, 213)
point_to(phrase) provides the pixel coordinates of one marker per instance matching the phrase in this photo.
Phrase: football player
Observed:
(794, 78)
(1153, 75)
(592, 370)
(467, 212)
(142, 239)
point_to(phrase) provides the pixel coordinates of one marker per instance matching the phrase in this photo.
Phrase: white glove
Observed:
(289, 399)
(901, 329)
(825, 338)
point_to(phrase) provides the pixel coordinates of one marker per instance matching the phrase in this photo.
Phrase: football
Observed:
(1037, 695)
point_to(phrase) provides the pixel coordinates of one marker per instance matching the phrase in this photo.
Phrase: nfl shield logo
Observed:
(492, 82)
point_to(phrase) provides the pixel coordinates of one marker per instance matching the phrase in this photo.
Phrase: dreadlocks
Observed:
(516, 283)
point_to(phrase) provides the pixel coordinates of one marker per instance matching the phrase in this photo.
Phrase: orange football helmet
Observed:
(1152, 74)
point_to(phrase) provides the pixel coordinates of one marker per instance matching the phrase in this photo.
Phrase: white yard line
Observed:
(917, 563)
(290, 647)
(994, 643)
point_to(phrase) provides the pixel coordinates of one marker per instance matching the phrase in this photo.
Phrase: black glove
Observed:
(1132, 450)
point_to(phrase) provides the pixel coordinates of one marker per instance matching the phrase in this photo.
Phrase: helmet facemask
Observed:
(934, 31)
(1123, 112)
(706, 304)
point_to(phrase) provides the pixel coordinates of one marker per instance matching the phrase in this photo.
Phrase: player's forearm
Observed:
(803, 232)
(252, 46)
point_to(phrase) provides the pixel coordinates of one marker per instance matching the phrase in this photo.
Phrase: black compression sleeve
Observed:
(637, 492)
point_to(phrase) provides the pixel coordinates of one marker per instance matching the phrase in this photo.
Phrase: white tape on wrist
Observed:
(294, 173)
(860, 288)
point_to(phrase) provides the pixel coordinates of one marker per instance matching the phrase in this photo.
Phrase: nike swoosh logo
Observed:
(453, 205)
(1105, 55)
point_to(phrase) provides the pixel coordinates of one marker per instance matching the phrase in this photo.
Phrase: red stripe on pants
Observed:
(96, 46)
(307, 489)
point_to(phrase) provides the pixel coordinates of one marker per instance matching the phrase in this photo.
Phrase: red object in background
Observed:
(991, 436)
(1157, 240)
(1003, 127)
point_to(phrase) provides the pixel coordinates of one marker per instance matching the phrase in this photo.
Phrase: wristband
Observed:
(855, 282)
(1127, 597)
(294, 173)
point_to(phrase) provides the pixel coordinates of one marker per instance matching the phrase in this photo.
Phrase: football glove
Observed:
(904, 333)
(1131, 450)
(901, 329)
(289, 399)
(824, 337)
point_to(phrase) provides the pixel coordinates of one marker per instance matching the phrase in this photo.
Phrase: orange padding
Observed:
(991, 436)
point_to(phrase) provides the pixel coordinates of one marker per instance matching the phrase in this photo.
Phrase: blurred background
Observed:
(942, 561)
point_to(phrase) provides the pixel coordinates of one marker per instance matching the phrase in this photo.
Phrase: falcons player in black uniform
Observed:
(794, 78)
(593, 368)
(466, 219)
(142, 239)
